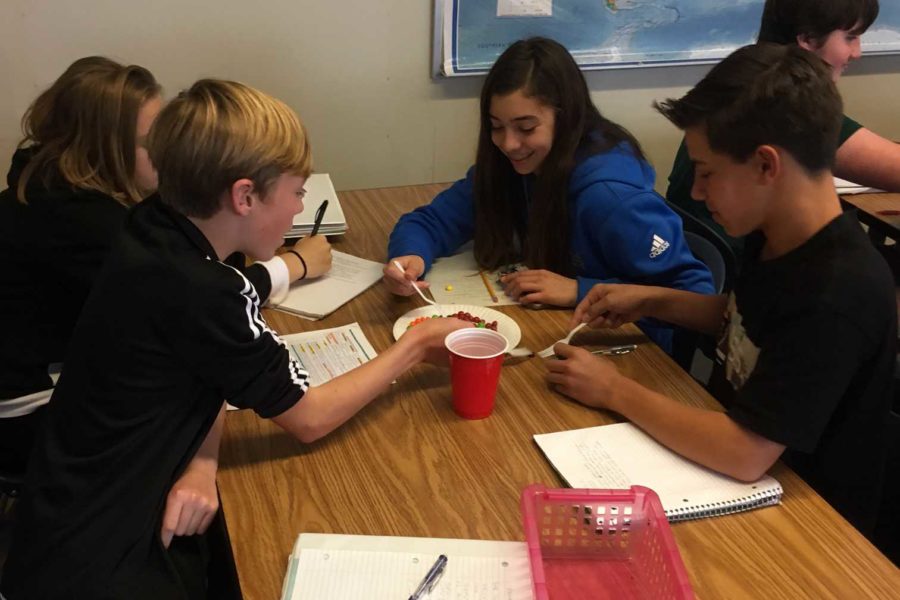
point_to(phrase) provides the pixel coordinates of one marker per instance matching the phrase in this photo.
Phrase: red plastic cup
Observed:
(476, 356)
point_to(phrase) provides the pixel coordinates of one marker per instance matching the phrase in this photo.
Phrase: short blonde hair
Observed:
(217, 132)
(83, 127)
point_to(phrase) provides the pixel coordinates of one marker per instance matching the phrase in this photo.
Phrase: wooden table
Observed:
(869, 210)
(406, 465)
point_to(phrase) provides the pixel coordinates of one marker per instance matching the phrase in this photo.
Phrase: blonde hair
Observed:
(83, 127)
(217, 132)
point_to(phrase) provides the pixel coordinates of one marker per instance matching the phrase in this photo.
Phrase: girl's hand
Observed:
(401, 283)
(538, 286)
(316, 251)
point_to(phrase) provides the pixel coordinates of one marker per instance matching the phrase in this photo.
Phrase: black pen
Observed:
(431, 578)
(320, 214)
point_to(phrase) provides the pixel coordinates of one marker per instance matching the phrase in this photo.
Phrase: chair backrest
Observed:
(726, 261)
(10, 488)
(708, 254)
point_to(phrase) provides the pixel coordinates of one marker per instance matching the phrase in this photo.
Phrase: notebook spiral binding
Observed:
(767, 497)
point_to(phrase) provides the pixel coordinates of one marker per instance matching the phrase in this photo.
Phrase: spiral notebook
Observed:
(621, 455)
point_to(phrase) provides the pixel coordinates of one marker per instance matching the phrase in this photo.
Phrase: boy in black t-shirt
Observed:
(809, 333)
(168, 332)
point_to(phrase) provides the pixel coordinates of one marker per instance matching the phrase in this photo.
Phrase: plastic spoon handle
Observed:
(415, 287)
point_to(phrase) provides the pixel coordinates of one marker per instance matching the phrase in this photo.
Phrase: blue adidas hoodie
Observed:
(621, 230)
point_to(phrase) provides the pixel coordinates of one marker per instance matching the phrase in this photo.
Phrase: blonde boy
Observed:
(168, 333)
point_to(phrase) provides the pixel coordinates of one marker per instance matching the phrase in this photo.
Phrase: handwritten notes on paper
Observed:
(349, 277)
(457, 280)
(621, 455)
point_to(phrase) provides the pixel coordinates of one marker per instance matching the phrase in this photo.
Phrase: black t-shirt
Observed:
(167, 333)
(809, 354)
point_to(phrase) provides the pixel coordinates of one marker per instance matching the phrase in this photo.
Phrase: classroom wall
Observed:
(357, 71)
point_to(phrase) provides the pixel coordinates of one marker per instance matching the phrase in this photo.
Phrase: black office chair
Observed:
(707, 253)
(10, 488)
(713, 251)
(725, 264)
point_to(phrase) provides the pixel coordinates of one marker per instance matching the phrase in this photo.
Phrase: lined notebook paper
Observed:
(621, 455)
(456, 280)
(349, 277)
(339, 567)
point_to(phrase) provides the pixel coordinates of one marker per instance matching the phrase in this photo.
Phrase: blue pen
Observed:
(431, 578)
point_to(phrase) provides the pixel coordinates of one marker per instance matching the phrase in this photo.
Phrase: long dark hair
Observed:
(544, 70)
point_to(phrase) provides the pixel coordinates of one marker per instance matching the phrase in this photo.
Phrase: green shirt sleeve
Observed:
(681, 180)
(848, 128)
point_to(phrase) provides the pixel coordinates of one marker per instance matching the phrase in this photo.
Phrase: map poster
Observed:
(617, 33)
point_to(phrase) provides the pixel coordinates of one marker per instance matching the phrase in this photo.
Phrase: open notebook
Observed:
(340, 567)
(349, 277)
(621, 455)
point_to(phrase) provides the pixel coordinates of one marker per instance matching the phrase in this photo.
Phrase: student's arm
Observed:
(193, 501)
(316, 253)
(868, 159)
(641, 240)
(431, 231)
(272, 278)
(611, 305)
(324, 408)
(707, 437)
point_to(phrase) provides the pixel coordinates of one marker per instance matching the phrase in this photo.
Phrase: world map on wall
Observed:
(619, 33)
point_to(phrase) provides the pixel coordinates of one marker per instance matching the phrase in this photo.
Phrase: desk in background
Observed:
(868, 206)
(407, 465)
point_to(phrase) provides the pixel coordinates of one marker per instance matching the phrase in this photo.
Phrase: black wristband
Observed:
(302, 262)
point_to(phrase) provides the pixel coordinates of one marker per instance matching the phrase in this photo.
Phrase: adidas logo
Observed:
(658, 246)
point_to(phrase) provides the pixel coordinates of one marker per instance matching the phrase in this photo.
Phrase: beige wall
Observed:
(357, 71)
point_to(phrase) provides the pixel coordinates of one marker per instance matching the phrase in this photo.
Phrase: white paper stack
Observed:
(844, 188)
(319, 188)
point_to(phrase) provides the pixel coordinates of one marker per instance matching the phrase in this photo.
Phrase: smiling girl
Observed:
(831, 29)
(555, 185)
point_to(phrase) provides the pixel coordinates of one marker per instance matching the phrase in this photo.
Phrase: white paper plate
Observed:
(505, 325)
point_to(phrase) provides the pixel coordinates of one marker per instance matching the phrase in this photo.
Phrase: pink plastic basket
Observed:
(596, 544)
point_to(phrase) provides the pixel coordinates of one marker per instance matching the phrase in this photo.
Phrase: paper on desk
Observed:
(460, 272)
(319, 187)
(844, 187)
(349, 277)
(332, 567)
(327, 353)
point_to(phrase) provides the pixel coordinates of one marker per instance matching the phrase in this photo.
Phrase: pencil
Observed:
(487, 284)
